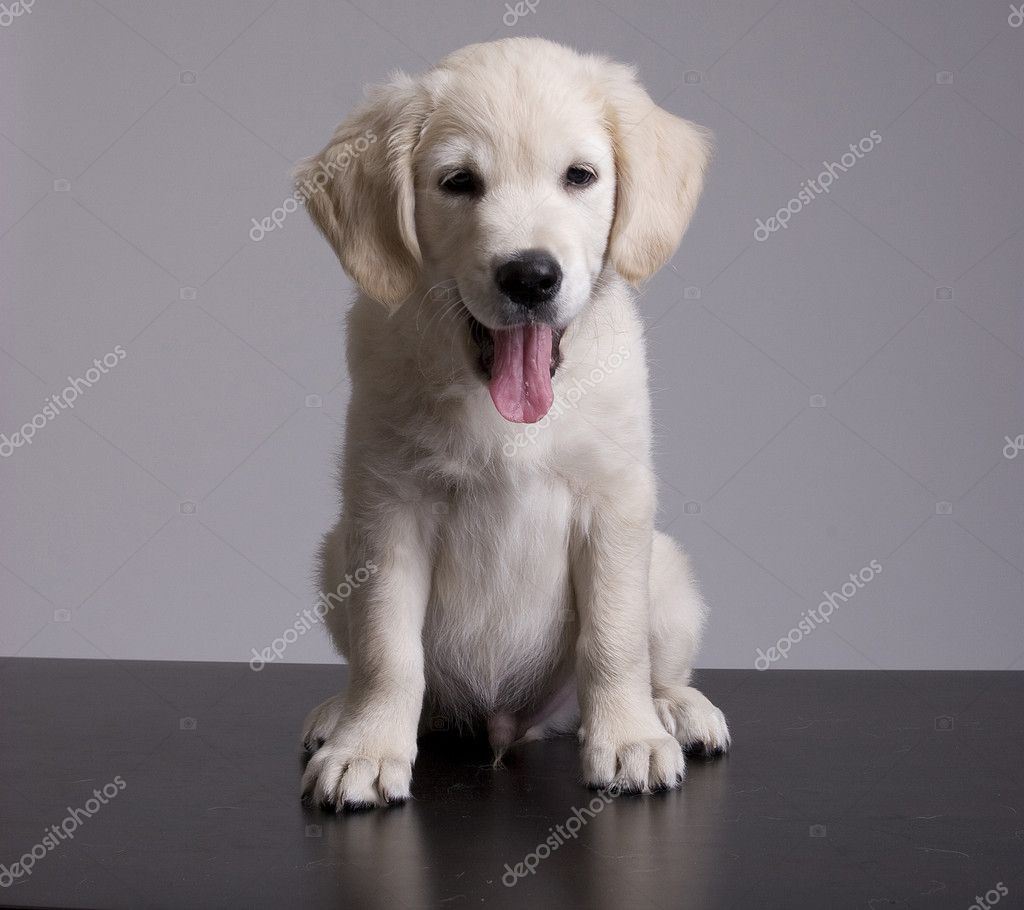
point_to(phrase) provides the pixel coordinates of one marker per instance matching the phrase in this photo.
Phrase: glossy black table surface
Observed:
(177, 785)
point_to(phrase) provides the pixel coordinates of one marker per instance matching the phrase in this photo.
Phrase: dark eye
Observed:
(580, 175)
(460, 183)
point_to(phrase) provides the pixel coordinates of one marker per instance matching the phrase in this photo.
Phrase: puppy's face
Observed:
(507, 178)
(516, 208)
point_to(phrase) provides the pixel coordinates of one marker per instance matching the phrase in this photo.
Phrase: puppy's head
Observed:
(511, 174)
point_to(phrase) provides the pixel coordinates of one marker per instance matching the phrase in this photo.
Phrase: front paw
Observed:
(692, 719)
(633, 760)
(322, 721)
(355, 769)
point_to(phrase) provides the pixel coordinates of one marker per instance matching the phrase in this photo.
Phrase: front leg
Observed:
(369, 732)
(623, 741)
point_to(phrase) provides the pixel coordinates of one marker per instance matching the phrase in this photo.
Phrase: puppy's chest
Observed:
(501, 587)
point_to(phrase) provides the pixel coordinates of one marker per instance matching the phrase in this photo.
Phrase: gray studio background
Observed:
(839, 392)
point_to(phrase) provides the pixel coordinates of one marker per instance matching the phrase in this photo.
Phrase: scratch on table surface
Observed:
(928, 818)
(809, 723)
(940, 850)
(803, 725)
(939, 886)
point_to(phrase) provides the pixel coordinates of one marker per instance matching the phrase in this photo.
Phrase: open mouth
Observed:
(518, 363)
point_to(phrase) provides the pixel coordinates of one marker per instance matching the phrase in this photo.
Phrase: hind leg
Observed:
(326, 717)
(677, 624)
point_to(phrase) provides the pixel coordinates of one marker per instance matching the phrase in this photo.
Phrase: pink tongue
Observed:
(521, 375)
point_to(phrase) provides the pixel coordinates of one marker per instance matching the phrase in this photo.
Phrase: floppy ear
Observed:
(660, 161)
(359, 191)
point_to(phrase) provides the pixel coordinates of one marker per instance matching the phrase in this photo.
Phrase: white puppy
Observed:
(498, 493)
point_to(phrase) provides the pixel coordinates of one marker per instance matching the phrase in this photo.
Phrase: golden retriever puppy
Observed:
(495, 560)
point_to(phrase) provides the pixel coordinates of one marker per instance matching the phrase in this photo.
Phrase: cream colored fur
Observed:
(520, 586)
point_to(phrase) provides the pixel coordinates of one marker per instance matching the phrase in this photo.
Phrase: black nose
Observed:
(530, 278)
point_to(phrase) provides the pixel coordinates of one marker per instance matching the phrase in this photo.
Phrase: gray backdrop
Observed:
(843, 389)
